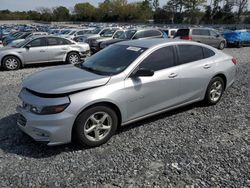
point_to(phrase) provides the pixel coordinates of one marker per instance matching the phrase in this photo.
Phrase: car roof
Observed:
(148, 43)
(153, 42)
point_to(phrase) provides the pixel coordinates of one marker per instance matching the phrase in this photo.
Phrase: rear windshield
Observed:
(182, 32)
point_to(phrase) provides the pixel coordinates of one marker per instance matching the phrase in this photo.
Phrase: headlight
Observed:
(48, 109)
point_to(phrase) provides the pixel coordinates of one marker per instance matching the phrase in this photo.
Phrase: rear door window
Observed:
(160, 59)
(204, 32)
(189, 53)
(52, 41)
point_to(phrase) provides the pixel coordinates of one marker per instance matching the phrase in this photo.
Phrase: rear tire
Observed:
(214, 91)
(95, 126)
(11, 63)
(73, 58)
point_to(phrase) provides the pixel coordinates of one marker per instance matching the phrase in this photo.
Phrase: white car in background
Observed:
(42, 49)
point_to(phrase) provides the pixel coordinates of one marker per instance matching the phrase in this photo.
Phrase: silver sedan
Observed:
(121, 84)
(41, 49)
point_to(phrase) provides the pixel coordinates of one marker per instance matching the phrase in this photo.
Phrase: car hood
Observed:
(113, 41)
(102, 39)
(64, 79)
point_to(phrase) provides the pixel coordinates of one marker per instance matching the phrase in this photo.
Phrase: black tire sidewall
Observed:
(207, 96)
(72, 53)
(78, 129)
(6, 58)
(224, 44)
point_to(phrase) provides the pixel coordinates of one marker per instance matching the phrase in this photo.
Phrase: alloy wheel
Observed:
(11, 63)
(73, 59)
(98, 126)
(216, 91)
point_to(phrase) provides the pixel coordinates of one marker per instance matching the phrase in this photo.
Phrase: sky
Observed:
(24, 5)
(33, 4)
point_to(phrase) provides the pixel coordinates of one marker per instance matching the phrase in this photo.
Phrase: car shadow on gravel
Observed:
(13, 140)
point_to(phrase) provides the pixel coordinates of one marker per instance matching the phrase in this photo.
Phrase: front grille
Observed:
(21, 120)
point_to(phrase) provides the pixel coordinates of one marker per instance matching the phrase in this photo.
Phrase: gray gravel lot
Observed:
(194, 146)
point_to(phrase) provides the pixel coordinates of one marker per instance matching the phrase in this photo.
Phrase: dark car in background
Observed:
(19, 35)
(203, 35)
(133, 34)
(94, 43)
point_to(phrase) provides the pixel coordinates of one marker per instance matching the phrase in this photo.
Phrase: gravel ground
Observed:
(195, 146)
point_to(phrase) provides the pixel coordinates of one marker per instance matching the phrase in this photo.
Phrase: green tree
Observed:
(60, 13)
(85, 12)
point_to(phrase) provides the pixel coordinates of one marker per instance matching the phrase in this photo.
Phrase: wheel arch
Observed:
(103, 103)
(224, 78)
(12, 55)
(66, 55)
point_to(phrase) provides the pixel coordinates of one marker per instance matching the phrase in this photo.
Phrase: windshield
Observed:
(108, 33)
(72, 32)
(127, 35)
(112, 60)
(95, 31)
(19, 45)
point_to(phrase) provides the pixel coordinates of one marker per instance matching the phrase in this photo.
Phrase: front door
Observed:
(36, 51)
(150, 94)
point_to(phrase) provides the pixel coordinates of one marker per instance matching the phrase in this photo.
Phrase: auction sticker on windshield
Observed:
(136, 49)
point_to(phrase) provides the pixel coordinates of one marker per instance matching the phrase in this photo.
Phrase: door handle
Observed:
(207, 66)
(42, 50)
(64, 48)
(173, 75)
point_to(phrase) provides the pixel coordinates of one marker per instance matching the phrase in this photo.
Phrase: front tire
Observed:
(222, 45)
(11, 63)
(73, 58)
(95, 126)
(214, 91)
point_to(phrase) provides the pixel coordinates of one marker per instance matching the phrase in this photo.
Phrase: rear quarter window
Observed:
(207, 52)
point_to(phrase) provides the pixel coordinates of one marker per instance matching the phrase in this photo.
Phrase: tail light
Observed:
(234, 61)
(186, 37)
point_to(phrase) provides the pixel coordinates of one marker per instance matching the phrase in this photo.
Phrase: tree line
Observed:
(174, 11)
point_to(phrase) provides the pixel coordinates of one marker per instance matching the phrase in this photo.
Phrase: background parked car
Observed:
(94, 43)
(40, 49)
(238, 38)
(170, 32)
(204, 35)
(135, 34)
(98, 32)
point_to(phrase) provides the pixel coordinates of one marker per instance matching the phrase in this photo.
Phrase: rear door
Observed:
(37, 51)
(195, 70)
(58, 48)
(151, 94)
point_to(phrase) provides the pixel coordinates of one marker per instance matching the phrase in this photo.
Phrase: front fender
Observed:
(16, 54)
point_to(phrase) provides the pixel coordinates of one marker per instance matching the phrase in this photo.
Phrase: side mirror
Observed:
(217, 36)
(28, 46)
(142, 72)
